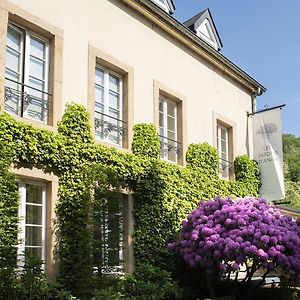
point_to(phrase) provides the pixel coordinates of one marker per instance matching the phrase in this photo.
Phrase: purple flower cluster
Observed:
(224, 234)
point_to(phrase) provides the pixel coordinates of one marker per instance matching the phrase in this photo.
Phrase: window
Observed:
(109, 124)
(109, 232)
(168, 129)
(26, 74)
(223, 146)
(32, 220)
(162, 4)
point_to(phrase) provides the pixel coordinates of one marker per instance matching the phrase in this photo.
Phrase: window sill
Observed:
(33, 122)
(112, 145)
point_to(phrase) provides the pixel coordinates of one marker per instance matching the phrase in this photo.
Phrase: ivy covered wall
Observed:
(163, 193)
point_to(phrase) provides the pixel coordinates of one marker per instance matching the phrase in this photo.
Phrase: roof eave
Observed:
(181, 32)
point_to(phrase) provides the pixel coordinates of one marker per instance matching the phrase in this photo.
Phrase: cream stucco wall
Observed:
(82, 31)
(119, 31)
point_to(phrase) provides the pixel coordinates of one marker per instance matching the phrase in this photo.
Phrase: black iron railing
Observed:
(168, 145)
(108, 127)
(226, 168)
(20, 99)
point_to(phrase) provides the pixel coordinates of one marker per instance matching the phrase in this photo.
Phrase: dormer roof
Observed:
(167, 5)
(203, 25)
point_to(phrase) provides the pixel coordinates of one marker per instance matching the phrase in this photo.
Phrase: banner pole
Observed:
(263, 110)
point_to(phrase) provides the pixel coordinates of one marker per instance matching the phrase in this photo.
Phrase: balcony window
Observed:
(223, 146)
(26, 74)
(32, 220)
(109, 232)
(109, 124)
(168, 129)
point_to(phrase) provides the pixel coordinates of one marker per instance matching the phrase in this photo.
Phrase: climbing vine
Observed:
(163, 193)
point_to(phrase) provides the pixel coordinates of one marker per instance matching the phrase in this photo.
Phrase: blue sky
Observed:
(261, 37)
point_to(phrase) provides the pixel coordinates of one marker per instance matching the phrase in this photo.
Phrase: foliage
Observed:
(146, 141)
(150, 283)
(147, 283)
(29, 282)
(163, 193)
(291, 151)
(221, 235)
(9, 200)
(291, 157)
(203, 157)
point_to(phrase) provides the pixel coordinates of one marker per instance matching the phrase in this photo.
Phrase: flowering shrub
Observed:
(221, 235)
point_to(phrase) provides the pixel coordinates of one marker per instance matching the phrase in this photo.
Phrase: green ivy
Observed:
(203, 157)
(163, 193)
(146, 140)
(9, 201)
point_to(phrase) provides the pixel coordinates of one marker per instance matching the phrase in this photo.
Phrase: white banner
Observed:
(267, 150)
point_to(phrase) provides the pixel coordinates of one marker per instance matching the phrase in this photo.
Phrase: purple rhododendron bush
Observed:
(222, 235)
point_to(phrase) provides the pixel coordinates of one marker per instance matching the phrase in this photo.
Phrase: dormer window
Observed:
(205, 31)
(203, 26)
(166, 5)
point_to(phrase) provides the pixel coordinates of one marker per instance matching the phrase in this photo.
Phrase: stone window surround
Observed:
(98, 57)
(51, 184)
(10, 12)
(162, 89)
(218, 119)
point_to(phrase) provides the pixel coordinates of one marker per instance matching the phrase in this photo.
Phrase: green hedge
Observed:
(163, 193)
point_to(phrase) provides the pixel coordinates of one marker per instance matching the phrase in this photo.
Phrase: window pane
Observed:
(171, 124)
(36, 68)
(223, 145)
(12, 97)
(114, 100)
(33, 236)
(33, 252)
(171, 135)
(36, 109)
(34, 214)
(14, 38)
(160, 106)
(114, 114)
(223, 133)
(99, 108)
(99, 122)
(37, 48)
(161, 119)
(14, 76)
(99, 94)
(115, 230)
(34, 194)
(37, 106)
(171, 153)
(99, 76)
(12, 60)
(114, 83)
(161, 131)
(224, 156)
(171, 109)
(38, 86)
(109, 230)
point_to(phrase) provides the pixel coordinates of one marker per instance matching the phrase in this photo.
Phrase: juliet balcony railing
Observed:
(23, 100)
(170, 149)
(226, 168)
(109, 129)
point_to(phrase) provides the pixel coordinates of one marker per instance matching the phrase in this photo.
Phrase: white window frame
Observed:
(162, 4)
(106, 118)
(22, 220)
(220, 149)
(165, 101)
(211, 39)
(105, 234)
(24, 68)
